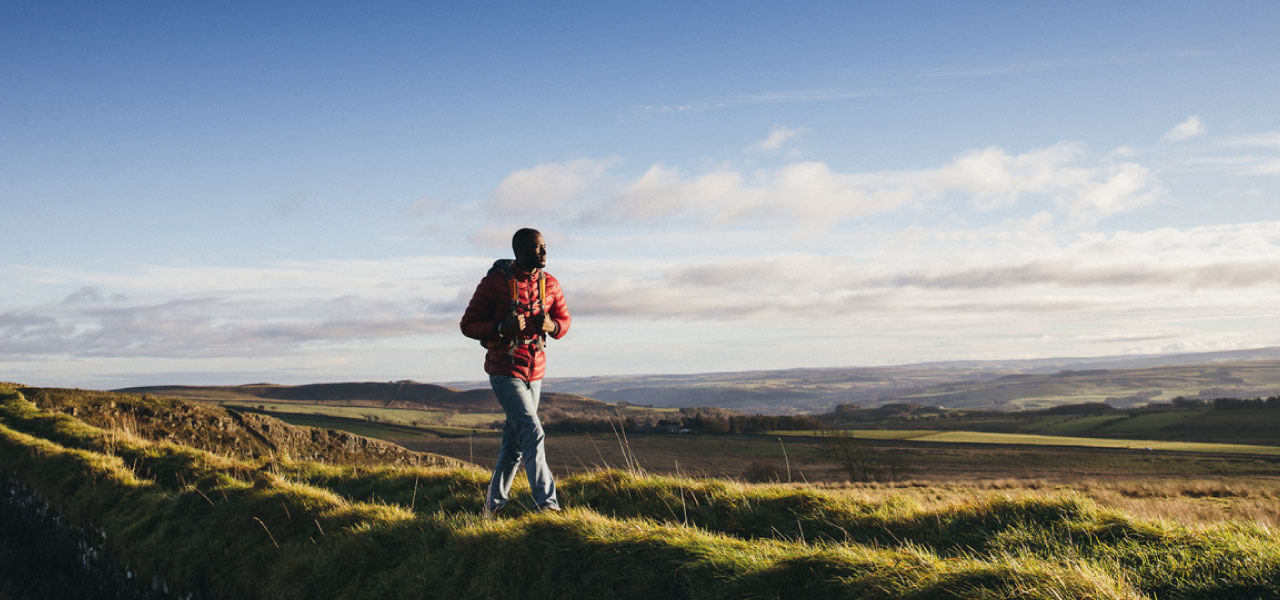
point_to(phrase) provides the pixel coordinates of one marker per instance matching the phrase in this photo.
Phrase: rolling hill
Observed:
(999, 385)
(1116, 387)
(396, 394)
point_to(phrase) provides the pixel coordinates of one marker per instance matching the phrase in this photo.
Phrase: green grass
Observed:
(374, 430)
(1022, 439)
(230, 528)
(1253, 426)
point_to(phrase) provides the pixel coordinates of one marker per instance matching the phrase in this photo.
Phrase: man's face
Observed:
(531, 253)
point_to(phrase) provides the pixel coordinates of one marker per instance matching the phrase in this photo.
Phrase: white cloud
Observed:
(1121, 189)
(195, 310)
(812, 193)
(549, 186)
(1190, 128)
(779, 136)
(1020, 267)
(992, 178)
(1022, 286)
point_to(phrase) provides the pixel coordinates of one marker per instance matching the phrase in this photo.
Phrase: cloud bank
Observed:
(1080, 188)
(993, 253)
(1014, 271)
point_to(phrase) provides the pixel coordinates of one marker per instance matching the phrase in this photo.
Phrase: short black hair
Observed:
(523, 234)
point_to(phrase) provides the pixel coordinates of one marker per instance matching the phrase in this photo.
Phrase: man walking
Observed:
(511, 312)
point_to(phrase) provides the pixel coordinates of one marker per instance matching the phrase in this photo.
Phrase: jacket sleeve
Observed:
(479, 322)
(559, 310)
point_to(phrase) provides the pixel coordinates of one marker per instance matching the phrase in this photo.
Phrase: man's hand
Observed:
(513, 325)
(545, 323)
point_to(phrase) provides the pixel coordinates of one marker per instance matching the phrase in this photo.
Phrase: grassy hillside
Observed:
(221, 431)
(168, 516)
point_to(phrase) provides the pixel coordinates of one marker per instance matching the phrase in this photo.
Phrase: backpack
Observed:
(505, 266)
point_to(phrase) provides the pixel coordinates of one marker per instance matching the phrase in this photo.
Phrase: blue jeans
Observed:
(522, 437)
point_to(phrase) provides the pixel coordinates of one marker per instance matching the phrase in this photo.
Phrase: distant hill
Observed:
(395, 394)
(1115, 387)
(1003, 385)
(1126, 361)
(1000, 385)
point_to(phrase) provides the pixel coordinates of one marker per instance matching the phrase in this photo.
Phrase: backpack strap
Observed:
(504, 265)
(542, 305)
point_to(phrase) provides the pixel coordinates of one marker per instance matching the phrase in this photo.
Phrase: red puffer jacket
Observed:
(490, 305)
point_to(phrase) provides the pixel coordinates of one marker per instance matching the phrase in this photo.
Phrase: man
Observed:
(511, 312)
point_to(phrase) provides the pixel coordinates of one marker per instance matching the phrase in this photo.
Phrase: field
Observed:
(189, 521)
(1249, 426)
(1022, 439)
(933, 458)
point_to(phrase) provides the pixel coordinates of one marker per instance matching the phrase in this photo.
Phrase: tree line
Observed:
(687, 420)
(1228, 403)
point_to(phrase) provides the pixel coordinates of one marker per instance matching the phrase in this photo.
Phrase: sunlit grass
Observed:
(280, 528)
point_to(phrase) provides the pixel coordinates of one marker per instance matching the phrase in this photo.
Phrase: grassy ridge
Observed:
(219, 430)
(1155, 557)
(396, 416)
(290, 529)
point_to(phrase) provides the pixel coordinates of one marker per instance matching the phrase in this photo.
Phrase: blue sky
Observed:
(308, 192)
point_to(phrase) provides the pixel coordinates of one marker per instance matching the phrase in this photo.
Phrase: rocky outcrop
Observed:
(224, 431)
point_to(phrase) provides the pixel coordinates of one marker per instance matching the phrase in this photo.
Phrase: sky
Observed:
(223, 193)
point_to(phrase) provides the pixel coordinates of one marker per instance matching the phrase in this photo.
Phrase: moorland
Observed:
(134, 495)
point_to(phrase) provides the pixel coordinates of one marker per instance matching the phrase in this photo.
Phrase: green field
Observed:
(1022, 439)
